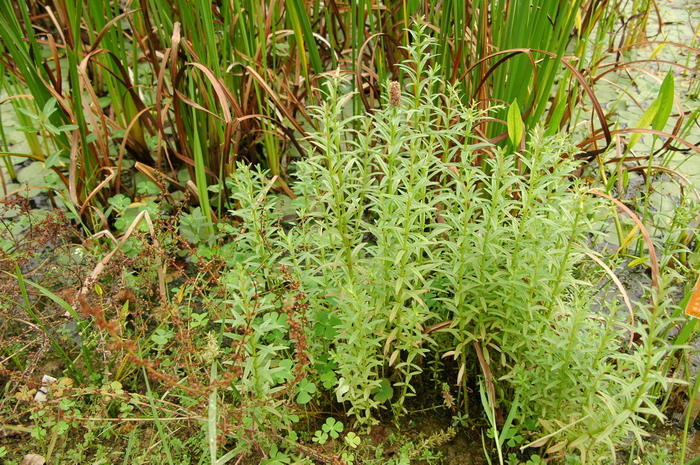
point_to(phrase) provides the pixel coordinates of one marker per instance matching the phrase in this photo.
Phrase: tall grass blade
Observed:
(72, 369)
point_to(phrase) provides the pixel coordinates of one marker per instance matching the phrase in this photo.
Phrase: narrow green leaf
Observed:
(666, 98)
(200, 176)
(304, 35)
(77, 374)
(212, 417)
(515, 124)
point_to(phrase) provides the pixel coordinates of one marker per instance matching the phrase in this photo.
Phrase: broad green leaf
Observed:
(554, 122)
(658, 112)
(28, 113)
(49, 107)
(666, 98)
(52, 129)
(52, 160)
(644, 122)
(515, 124)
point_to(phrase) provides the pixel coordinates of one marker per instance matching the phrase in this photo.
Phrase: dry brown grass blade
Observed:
(148, 122)
(18, 96)
(92, 279)
(679, 106)
(615, 279)
(287, 132)
(653, 261)
(192, 189)
(162, 111)
(488, 379)
(508, 55)
(669, 171)
(596, 108)
(226, 100)
(220, 90)
(631, 63)
(189, 102)
(437, 327)
(101, 34)
(583, 82)
(175, 74)
(156, 176)
(98, 188)
(58, 79)
(123, 145)
(293, 99)
(676, 128)
(100, 130)
(99, 214)
(692, 50)
(24, 189)
(122, 75)
(281, 107)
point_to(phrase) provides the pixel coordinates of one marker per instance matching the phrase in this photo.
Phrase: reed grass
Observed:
(191, 85)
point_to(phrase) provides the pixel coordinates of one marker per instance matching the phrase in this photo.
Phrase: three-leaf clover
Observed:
(320, 437)
(333, 427)
(352, 440)
(161, 336)
(304, 390)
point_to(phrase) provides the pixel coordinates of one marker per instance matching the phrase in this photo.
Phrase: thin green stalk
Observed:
(164, 438)
(212, 419)
(201, 177)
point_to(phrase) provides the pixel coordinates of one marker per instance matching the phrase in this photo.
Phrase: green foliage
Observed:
(409, 250)
(399, 210)
(196, 86)
(395, 211)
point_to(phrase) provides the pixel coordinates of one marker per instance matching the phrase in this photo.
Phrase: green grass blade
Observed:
(156, 419)
(75, 372)
(212, 421)
(201, 177)
(304, 36)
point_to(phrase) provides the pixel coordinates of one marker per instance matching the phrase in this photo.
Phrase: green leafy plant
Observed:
(399, 209)
(409, 250)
